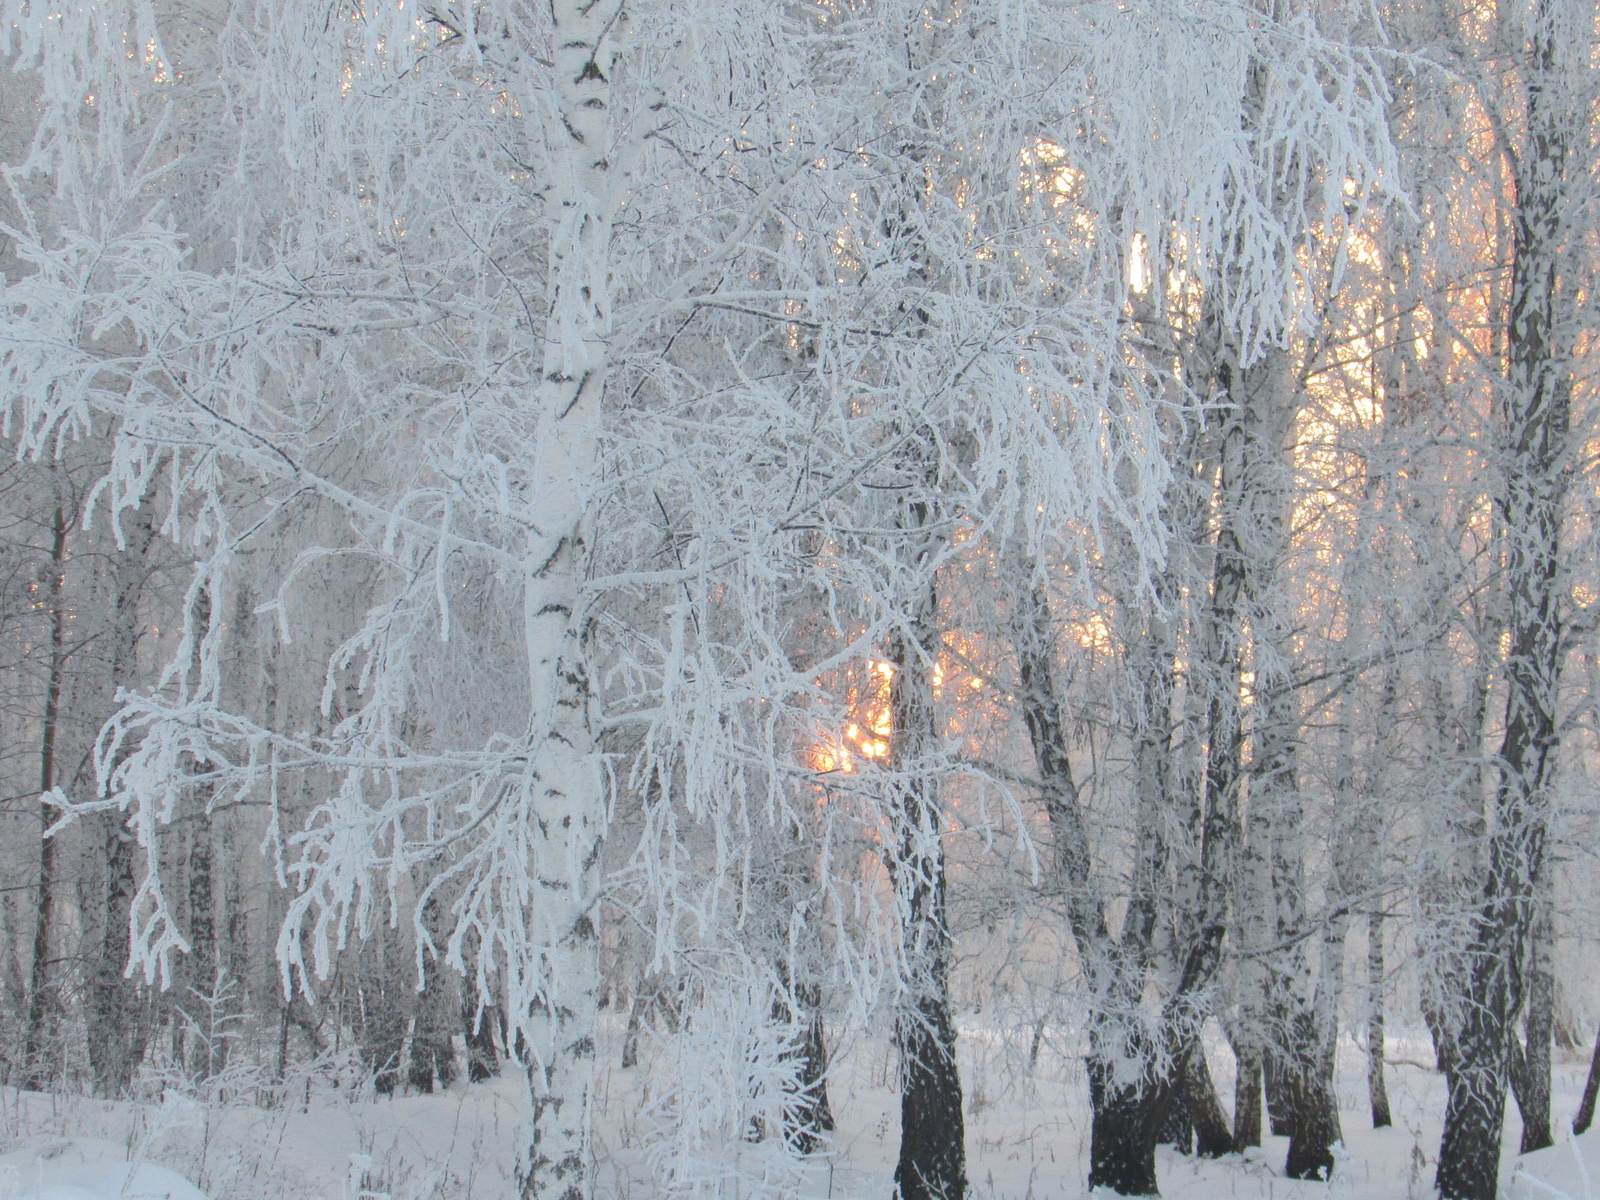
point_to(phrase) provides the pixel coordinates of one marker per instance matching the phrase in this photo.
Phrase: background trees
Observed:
(700, 509)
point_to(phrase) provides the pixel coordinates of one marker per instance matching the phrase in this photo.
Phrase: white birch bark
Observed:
(568, 803)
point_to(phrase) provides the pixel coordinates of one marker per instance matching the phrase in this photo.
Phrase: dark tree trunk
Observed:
(43, 1003)
(1311, 1038)
(933, 1159)
(813, 1115)
(1439, 1033)
(1213, 1138)
(483, 1060)
(1177, 1130)
(1195, 1122)
(1247, 1099)
(1469, 1156)
(1536, 415)
(1128, 1119)
(381, 1010)
(109, 1019)
(1276, 1084)
(637, 1010)
(478, 1022)
(384, 1035)
(1377, 1089)
(1591, 1090)
(1533, 1092)
(432, 1059)
(1313, 1131)
(1309, 1099)
(1125, 1122)
(118, 1018)
(118, 1023)
(204, 1001)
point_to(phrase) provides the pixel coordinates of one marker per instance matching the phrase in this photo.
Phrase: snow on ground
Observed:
(1027, 1139)
(86, 1169)
(1569, 1169)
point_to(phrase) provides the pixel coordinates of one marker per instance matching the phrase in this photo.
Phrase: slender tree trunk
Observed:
(1304, 992)
(1252, 933)
(1533, 1080)
(1591, 1090)
(782, 885)
(1536, 417)
(478, 1022)
(638, 1009)
(1377, 1089)
(1128, 1114)
(813, 1113)
(432, 1057)
(933, 1161)
(1311, 1043)
(431, 1060)
(380, 1001)
(483, 1059)
(1275, 1084)
(1448, 891)
(202, 1000)
(43, 1003)
(118, 1021)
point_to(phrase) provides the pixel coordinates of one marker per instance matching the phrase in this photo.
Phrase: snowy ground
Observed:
(1027, 1139)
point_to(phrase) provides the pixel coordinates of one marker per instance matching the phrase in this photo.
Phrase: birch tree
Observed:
(1534, 417)
(107, 279)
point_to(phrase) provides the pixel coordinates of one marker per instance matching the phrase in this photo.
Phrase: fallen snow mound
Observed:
(1570, 1171)
(86, 1169)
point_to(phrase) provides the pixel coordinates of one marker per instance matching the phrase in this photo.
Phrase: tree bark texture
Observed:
(39, 1055)
(1247, 1099)
(381, 1002)
(932, 1163)
(1125, 1121)
(568, 793)
(1213, 1138)
(1128, 1112)
(1591, 1090)
(1310, 1103)
(813, 1115)
(1533, 1079)
(119, 1012)
(1377, 1088)
(478, 1024)
(1536, 418)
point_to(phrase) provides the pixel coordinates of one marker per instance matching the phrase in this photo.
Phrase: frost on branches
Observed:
(694, 508)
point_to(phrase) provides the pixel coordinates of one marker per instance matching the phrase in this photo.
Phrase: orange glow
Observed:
(866, 735)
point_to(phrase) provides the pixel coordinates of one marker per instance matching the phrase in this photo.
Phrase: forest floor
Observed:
(1027, 1139)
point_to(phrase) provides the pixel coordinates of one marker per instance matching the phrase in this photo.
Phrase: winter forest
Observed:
(759, 599)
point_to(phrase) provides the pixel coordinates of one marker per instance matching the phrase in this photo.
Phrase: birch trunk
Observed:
(1536, 417)
(1129, 1108)
(567, 789)
(1377, 1089)
(1532, 1081)
(933, 1159)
